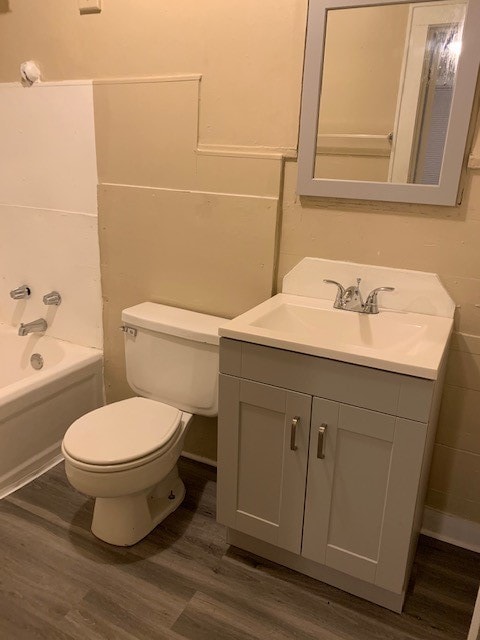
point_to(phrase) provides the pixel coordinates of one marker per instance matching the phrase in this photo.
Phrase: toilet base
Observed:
(125, 520)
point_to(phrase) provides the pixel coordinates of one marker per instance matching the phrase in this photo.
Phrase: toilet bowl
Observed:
(125, 454)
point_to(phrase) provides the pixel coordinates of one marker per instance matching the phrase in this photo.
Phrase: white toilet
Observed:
(125, 454)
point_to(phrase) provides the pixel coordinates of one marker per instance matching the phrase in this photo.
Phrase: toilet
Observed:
(125, 454)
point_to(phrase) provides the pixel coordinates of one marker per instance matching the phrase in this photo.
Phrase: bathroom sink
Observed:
(337, 327)
(409, 343)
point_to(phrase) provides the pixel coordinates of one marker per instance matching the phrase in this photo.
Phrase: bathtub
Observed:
(38, 405)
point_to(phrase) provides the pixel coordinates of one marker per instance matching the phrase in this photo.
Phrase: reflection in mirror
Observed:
(388, 77)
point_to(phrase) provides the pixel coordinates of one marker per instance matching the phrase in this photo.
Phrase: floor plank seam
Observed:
(184, 582)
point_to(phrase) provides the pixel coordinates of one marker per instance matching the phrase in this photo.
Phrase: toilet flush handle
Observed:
(130, 331)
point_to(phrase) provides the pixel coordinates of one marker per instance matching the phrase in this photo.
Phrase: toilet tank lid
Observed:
(173, 321)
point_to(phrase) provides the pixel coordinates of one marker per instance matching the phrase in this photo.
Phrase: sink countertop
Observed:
(402, 342)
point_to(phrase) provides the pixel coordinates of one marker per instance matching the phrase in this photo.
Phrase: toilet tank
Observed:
(172, 356)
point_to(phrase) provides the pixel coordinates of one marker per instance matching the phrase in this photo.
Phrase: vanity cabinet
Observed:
(322, 465)
(361, 497)
(265, 460)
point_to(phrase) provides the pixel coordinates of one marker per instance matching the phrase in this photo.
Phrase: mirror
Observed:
(387, 98)
(387, 85)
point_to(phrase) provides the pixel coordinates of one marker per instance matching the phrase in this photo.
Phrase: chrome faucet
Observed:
(52, 298)
(350, 298)
(371, 303)
(20, 293)
(36, 326)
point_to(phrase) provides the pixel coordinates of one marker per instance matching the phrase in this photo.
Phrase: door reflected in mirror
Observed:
(387, 85)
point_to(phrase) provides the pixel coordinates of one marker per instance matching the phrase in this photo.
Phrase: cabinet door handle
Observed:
(321, 441)
(293, 433)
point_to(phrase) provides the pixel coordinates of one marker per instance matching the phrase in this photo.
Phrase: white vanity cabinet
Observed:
(361, 497)
(264, 461)
(322, 465)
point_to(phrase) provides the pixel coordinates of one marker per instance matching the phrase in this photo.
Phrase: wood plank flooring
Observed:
(57, 582)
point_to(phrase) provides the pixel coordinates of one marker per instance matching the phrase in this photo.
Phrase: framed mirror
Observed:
(388, 90)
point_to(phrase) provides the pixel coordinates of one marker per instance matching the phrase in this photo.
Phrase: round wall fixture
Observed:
(30, 72)
(36, 361)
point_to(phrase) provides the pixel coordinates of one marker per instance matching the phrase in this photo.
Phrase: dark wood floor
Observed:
(59, 582)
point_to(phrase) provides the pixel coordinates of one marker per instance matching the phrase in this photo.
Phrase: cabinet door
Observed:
(262, 460)
(361, 496)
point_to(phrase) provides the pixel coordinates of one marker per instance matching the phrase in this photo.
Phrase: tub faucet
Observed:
(52, 298)
(36, 326)
(20, 293)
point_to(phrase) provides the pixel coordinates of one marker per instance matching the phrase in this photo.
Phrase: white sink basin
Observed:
(357, 330)
(408, 343)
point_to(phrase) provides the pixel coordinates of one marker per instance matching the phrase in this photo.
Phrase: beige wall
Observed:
(347, 166)
(134, 38)
(364, 50)
(176, 225)
(194, 205)
(363, 58)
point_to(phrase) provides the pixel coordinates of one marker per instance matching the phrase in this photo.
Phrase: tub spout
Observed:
(37, 326)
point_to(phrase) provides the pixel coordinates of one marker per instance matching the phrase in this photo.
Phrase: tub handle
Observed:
(20, 293)
(52, 298)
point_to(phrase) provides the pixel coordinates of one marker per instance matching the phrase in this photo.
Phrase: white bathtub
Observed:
(38, 406)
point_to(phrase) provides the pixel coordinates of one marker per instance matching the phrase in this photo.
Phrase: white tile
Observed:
(47, 154)
(52, 250)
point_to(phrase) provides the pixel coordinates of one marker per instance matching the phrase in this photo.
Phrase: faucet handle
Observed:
(52, 298)
(375, 291)
(20, 293)
(371, 303)
(340, 292)
(336, 283)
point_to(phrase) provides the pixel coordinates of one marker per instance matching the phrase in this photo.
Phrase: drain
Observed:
(36, 361)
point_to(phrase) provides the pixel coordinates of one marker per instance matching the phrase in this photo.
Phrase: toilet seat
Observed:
(122, 435)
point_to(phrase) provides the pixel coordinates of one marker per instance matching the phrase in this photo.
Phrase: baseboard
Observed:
(31, 475)
(452, 529)
(202, 459)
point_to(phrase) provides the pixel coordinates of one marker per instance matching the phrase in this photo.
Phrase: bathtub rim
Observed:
(84, 357)
(50, 456)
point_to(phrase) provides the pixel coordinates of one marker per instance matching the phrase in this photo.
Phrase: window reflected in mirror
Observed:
(387, 85)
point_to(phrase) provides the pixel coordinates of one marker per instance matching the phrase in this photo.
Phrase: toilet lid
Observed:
(122, 431)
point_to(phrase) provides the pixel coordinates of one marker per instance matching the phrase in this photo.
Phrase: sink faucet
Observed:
(350, 298)
(37, 326)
